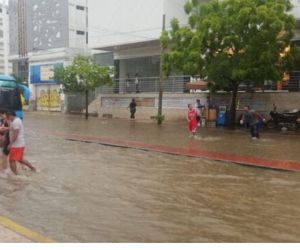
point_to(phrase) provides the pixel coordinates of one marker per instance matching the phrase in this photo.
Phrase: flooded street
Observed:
(86, 192)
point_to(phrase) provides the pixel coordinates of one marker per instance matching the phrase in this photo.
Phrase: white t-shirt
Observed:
(17, 125)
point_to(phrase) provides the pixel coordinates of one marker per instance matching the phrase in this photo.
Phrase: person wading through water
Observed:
(132, 107)
(17, 143)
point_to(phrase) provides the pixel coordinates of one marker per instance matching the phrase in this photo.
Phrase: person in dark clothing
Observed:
(4, 133)
(252, 118)
(132, 107)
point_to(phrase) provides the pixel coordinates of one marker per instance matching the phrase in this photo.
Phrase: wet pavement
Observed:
(86, 192)
(8, 236)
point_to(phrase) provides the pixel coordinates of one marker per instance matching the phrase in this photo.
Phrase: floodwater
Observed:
(86, 192)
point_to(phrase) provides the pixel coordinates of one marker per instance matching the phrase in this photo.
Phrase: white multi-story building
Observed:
(296, 13)
(46, 34)
(130, 30)
(5, 66)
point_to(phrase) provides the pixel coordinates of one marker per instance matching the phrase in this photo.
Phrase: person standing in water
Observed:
(17, 143)
(132, 107)
(253, 118)
(199, 112)
(191, 117)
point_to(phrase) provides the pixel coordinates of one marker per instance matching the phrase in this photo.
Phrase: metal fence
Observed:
(294, 82)
(291, 85)
(176, 84)
(173, 84)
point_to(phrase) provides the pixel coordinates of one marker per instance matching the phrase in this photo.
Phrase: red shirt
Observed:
(192, 115)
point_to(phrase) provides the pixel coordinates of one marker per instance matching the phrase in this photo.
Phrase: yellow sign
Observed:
(49, 99)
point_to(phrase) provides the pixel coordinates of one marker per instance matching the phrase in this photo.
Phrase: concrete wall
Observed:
(175, 105)
(262, 102)
(175, 8)
(47, 24)
(296, 9)
(117, 22)
(77, 23)
(13, 27)
(5, 67)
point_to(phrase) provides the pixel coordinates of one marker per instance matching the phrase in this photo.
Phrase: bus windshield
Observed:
(10, 95)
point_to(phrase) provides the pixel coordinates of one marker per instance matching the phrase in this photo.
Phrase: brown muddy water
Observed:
(87, 192)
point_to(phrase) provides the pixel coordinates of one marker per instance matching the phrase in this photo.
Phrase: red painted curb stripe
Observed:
(239, 159)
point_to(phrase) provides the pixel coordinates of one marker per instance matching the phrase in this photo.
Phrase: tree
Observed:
(232, 41)
(82, 76)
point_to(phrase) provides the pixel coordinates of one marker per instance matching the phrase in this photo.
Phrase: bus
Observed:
(10, 95)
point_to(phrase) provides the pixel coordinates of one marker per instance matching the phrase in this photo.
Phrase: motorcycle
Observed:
(289, 120)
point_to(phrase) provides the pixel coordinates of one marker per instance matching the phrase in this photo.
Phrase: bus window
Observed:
(9, 94)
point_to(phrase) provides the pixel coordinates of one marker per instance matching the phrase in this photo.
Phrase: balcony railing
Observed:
(176, 84)
(173, 84)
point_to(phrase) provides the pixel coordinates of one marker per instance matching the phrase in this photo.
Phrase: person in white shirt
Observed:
(136, 82)
(17, 143)
(198, 107)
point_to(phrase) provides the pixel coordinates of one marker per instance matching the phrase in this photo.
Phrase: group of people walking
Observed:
(12, 142)
(194, 117)
(250, 118)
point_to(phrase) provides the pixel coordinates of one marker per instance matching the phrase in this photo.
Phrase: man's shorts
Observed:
(16, 154)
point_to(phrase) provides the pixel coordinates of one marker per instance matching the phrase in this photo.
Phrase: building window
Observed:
(80, 32)
(79, 7)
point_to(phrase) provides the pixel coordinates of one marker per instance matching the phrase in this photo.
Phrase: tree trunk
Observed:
(161, 79)
(86, 104)
(233, 106)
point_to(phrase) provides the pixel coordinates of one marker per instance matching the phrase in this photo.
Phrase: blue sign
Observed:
(43, 74)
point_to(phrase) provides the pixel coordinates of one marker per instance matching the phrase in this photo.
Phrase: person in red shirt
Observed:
(191, 117)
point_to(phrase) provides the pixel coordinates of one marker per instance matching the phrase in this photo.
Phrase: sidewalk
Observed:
(12, 232)
(274, 149)
(8, 236)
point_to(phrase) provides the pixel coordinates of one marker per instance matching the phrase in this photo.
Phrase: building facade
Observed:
(128, 31)
(46, 34)
(127, 35)
(5, 66)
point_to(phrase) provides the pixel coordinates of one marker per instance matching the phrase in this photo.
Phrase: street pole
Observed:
(86, 54)
(161, 80)
(86, 104)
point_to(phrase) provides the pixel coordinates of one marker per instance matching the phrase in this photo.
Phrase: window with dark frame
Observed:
(80, 32)
(79, 7)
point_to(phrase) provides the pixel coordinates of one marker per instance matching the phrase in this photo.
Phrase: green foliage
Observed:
(82, 75)
(18, 79)
(231, 41)
(159, 119)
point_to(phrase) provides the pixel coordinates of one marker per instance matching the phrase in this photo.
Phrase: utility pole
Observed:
(86, 53)
(162, 78)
